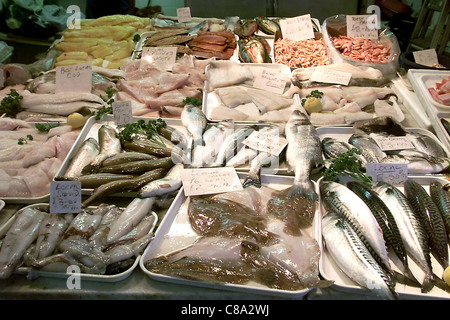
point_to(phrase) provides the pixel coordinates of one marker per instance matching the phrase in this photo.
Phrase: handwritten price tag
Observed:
(297, 28)
(362, 26)
(184, 14)
(267, 141)
(426, 57)
(331, 76)
(163, 57)
(210, 181)
(270, 80)
(123, 113)
(65, 197)
(393, 173)
(393, 143)
(76, 78)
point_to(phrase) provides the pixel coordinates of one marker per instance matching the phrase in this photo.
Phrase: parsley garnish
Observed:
(45, 127)
(110, 92)
(10, 105)
(24, 140)
(140, 128)
(314, 94)
(193, 101)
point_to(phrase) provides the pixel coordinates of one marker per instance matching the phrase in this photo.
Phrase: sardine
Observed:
(94, 180)
(440, 196)
(430, 218)
(85, 155)
(338, 198)
(125, 157)
(125, 185)
(195, 122)
(368, 147)
(109, 146)
(171, 182)
(353, 258)
(253, 178)
(138, 167)
(411, 230)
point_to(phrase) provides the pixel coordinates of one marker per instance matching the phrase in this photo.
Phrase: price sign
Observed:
(123, 113)
(76, 78)
(267, 141)
(270, 80)
(393, 173)
(65, 197)
(331, 76)
(297, 28)
(184, 14)
(210, 181)
(426, 57)
(393, 143)
(163, 57)
(362, 26)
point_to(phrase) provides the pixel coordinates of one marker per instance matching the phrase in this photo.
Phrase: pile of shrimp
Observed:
(362, 49)
(301, 54)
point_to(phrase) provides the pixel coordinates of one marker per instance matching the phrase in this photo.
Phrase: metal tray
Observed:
(330, 271)
(32, 273)
(176, 223)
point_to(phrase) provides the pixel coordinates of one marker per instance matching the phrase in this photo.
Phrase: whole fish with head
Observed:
(95, 180)
(411, 229)
(353, 258)
(333, 147)
(430, 218)
(171, 182)
(88, 151)
(125, 157)
(195, 122)
(418, 162)
(138, 167)
(426, 144)
(441, 197)
(109, 145)
(368, 147)
(346, 204)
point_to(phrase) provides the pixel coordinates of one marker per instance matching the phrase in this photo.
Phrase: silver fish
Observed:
(332, 147)
(411, 230)
(304, 152)
(171, 182)
(440, 196)
(338, 198)
(418, 163)
(368, 147)
(195, 122)
(253, 177)
(85, 155)
(426, 144)
(245, 155)
(353, 258)
(109, 146)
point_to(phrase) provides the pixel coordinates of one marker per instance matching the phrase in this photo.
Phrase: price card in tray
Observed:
(392, 173)
(393, 143)
(210, 181)
(75, 78)
(65, 197)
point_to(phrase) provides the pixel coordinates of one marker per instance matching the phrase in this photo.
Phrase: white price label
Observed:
(297, 28)
(76, 78)
(362, 26)
(210, 181)
(162, 57)
(267, 141)
(184, 14)
(426, 57)
(331, 76)
(393, 143)
(65, 197)
(123, 113)
(393, 173)
(270, 80)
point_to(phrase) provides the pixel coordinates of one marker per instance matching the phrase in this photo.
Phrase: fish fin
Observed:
(303, 189)
(252, 180)
(407, 278)
(428, 283)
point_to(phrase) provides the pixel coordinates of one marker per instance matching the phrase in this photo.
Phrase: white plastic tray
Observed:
(421, 80)
(176, 223)
(32, 273)
(330, 271)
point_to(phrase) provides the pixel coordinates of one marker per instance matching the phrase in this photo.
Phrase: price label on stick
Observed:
(123, 113)
(426, 57)
(393, 173)
(270, 80)
(163, 57)
(65, 197)
(331, 76)
(76, 78)
(210, 181)
(393, 143)
(267, 141)
(362, 26)
(297, 28)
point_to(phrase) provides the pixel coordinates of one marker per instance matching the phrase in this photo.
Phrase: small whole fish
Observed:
(174, 135)
(333, 147)
(426, 144)
(94, 180)
(109, 146)
(253, 177)
(368, 147)
(138, 167)
(195, 122)
(85, 155)
(125, 157)
(353, 258)
(171, 182)
(440, 196)
(418, 163)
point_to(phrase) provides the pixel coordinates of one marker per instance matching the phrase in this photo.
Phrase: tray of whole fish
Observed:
(230, 92)
(386, 241)
(420, 150)
(31, 154)
(129, 165)
(100, 243)
(258, 239)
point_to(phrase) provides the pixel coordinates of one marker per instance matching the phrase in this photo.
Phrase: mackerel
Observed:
(368, 147)
(441, 198)
(411, 229)
(353, 258)
(338, 198)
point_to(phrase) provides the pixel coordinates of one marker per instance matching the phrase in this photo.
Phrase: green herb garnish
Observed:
(193, 101)
(149, 130)
(25, 140)
(346, 164)
(136, 37)
(314, 94)
(110, 92)
(10, 105)
(45, 127)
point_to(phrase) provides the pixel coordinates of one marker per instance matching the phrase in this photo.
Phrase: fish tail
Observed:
(304, 189)
(410, 277)
(428, 283)
(252, 180)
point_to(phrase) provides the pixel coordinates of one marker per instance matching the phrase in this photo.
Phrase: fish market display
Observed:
(30, 158)
(441, 92)
(89, 240)
(208, 44)
(301, 54)
(362, 49)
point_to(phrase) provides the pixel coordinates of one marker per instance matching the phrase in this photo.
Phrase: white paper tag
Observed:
(331, 76)
(184, 14)
(65, 196)
(270, 80)
(362, 26)
(210, 181)
(76, 78)
(267, 141)
(297, 28)
(393, 173)
(393, 143)
(426, 57)
(163, 57)
(123, 113)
